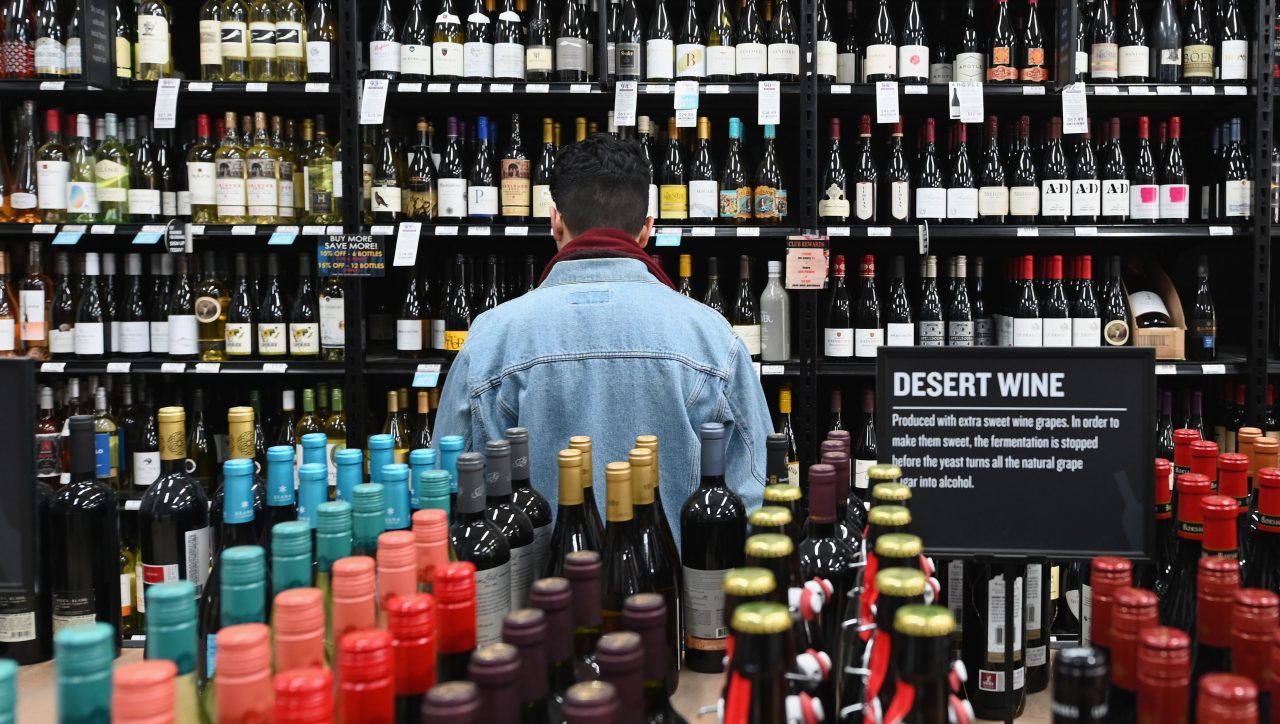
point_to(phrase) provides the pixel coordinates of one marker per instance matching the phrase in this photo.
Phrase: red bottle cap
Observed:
(1164, 491)
(1134, 611)
(243, 650)
(835, 129)
(1233, 475)
(930, 130)
(395, 550)
(864, 126)
(1107, 574)
(1204, 458)
(1175, 127)
(1268, 480)
(839, 266)
(1217, 580)
(413, 616)
(304, 696)
(1220, 534)
(354, 577)
(1253, 626)
(1226, 699)
(868, 266)
(1182, 439)
(298, 611)
(961, 132)
(1144, 127)
(412, 622)
(1164, 656)
(456, 583)
(1192, 488)
(143, 692)
(455, 594)
(365, 656)
(993, 127)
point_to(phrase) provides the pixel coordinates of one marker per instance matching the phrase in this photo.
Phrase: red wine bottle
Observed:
(1055, 184)
(900, 331)
(897, 202)
(1144, 192)
(1028, 327)
(833, 207)
(1002, 47)
(1115, 177)
(1197, 44)
(1086, 324)
(1086, 189)
(931, 192)
(866, 176)
(1178, 607)
(868, 332)
(1175, 193)
(913, 47)
(1055, 309)
(931, 328)
(882, 51)
(1104, 51)
(962, 188)
(1024, 190)
(1031, 67)
(993, 191)
(959, 310)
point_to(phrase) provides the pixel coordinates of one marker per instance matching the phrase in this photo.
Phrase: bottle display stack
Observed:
(163, 263)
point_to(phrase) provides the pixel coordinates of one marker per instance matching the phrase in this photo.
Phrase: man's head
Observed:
(601, 182)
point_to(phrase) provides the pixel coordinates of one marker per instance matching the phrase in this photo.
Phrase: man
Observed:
(606, 347)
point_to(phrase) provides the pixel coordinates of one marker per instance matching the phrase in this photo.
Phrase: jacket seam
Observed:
(497, 380)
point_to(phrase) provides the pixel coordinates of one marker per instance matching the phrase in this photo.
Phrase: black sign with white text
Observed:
(1022, 452)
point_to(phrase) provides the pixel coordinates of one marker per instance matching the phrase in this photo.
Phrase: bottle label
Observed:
(333, 321)
(1115, 198)
(721, 61)
(22, 201)
(1024, 201)
(959, 334)
(1086, 332)
(931, 203)
(1135, 61)
(452, 195)
(1057, 332)
(153, 40)
(970, 67)
(493, 602)
(1104, 61)
(239, 338)
(288, 40)
(196, 547)
(913, 61)
(453, 340)
(74, 58)
(703, 196)
(135, 337)
(32, 302)
(881, 59)
(865, 342)
(729, 204)
(1086, 198)
(864, 195)
(784, 58)
(72, 609)
(523, 573)
(146, 468)
(1115, 333)
(89, 338)
(8, 335)
(304, 338)
(931, 333)
(482, 201)
(659, 56)
(1235, 59)
(1001, 71)
(202, 182)
(900, 334)
(962, 203)
(272, 338)
(51, 183)
(1144, 302)
(538, 58)
(82, 197)
(384, 56)
(838, 342)
(984, 332)
(17, 617)
(1175, 201)
(994, 680)
(940, 73)
(993, 201)
(1197, 61)
(508, 61)
(750, 336)
(753, 58)
(386, 199)
(175, 203)
(409, 335)
(415, 59)
(477, 57)
(447, 59)
(826, 59)
(1239, 199)
(210, 42)
(745, 204)
(833, 205)
(262, 40)
(542, 201)
(437, 334)
(1028, 332)
(703, 600)
(318, 57)
(1144, 201)
(996, 628)
(847, 68)
(262, 188)
(113, 181)
(691, 60)
(145, 202)
(765, 203)
(159, 337)
(1171, 57)
(673, 201)
(183, 334)
(230, 187)
(900, 200)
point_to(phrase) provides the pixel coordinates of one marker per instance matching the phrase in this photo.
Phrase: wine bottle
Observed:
(985, 654)
(1104, 50)
(304, 317)
(1135, 51)
(510, 520)
(673, 189)
(1031, 64)
(1166, 53)
(849, 52)
(746, 314)
(959, 310)
(1203, 342)
(881, 50)
(868, 333)
(1024, 190)
(448, 39)
(477, 49)
(539, 54)
(1002, 47)
(704, 187)
(775, 318)
(838, 332)
(751, 56)
(833, 207)
(1056, 312)
(1116, 193)
(1237, 178)
(866, 176)
(1115, 312)
(970, 51)
(1175, 193)
(1086, 322)
(691, 45)
(735, 200)
(322, 33)
(784, 44)
(931, 192)
(1197, 44)
(897, 203)
(930, 325)
(913, 47)
(770, 194)
(823, 553)
(714, 524)
(478, 541)
(993, 190)
(514, 171)
(900, 328)
(234, 43)
(1028, 329)
(1086, 189)
(962, 187)
(625, 571)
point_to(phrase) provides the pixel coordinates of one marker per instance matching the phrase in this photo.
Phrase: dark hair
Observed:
(602, 181)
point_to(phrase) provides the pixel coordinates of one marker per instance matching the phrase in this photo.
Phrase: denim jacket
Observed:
(602, 348)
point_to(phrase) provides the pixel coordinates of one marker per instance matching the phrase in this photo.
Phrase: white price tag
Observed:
(1218, 369)
(275, 368)
(117, 368)
(468, 87)
(333, 229)
(173, 368)
(1219, 231)
(134, 504)
(382, 230)
(580, 88)
(686, 95)
(748, 231)
(1032, 90)
(200, 87)
(717, 89)
(45, 229)
(438, 87)
(1106, 90)
(687, 118)
(53, 366)
(667, 237)
(965, 101)
(313, 231)
(244, 230)
(1168, 90)
(255, 87)
(406, 253)
(373, 101)
(426, 375)
(624, 103)
(477, 231)
(837, 231)
(52, 85)
(1086, 231)
(102, 229)
(769, 100)
(1201, 90)
(501, 88)
(517, 231)
(537, 88)
(198, 230)
(915, 90)
(657, 88)
(446, 231)
(1234, 90)
(703, 231)
(165, 114)
(773, 369)
(1139, 90)
(1166, 369)
(1075, 111)
(409, 88)
(887, 101)
(1028, 231)
(317, 87)
(879, 231)
(206, 368)
(841, 90)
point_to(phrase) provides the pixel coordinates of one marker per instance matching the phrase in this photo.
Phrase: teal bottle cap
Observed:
(8, 685)
(238, 466)
(769, 131)
(369, 498)
(171, 604)
(452, 442)
(237, 487)
(280, 453)
(243, 565)
(312, 472)
(422, 456)
(381, 442)
(292, 538)
(436, 483)
(349, 456)
(315, 439)
(84, 650)
(395, 473)
(334, 518)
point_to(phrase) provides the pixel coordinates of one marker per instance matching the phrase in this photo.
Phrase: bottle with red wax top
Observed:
(1134, 610)
(1204, 460)
(1217, 582)
(366, 678)
(1220, 538)
(1178, 606)
(298, 629)
(455, 594)
(304, 696)
(411, 620)
(242, 682)
(1226, 699)
(1182, 439)
(1255, 618)
(1164, 675)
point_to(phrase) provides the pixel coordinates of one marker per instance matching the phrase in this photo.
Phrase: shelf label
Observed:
(337, 229)
(74, 227)
(173, 368)
(501, 88)
(517, 231)
(408, 87)
(275, 368)
(102, 229)
(282, 238)
(915, 90)
(879, 231)
(667, 238)
(1234, 90)
(965, 104)
(427, 375)
(133, 504)
(373, 101)
(1086, 231)
(382, 230)
(837, 231)
(44, 229)
(1166, 369)
(773, 369)
(406, 253)
(351, 255)
(537, 88)
(1218, 369)
(197, 229)
(703, 231)
(1028, 231)
(165, 114)
(686, 97)
(1032, 90)
(1106, 90)
(1202, 90)
(716, 89)
(478, 230)
(117, 368)
(748, 231)
(313, 231)
(255, 87)
(147, 237)
(200, 87)
(1219, 231)
(656, 88)
(67, 238)
(624, 103)
(468, 87)
(52, 85)
(841, 90)
(1139, 90)
(155, 227)
(53, 367)
(580, 88)
(1168, 90)
(887, 101)
(769, 103)
(806, 264)
(438, 87)
(317, 88)
(446, 231)
(1075, 111)
(208, 368)
(244, 230)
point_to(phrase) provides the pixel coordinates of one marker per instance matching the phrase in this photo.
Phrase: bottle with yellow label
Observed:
(457, 312)
(673, 189)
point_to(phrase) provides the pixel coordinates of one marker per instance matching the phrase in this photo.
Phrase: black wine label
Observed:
(73, 608)
(262, 36)
(232, 35)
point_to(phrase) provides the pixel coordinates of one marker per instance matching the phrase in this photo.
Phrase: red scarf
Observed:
(606, 244)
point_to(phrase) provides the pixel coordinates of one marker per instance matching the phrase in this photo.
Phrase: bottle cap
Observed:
(452, 442)
(298, 611)
(1256, 613)
(456, 583)
(304, 696)
(889, 516)
(899, 545)
(381, 442)
(924, 621)
(591, 701)
(243, 649)
(769, 545)
(619, 653)
(315, 440)
(770, 516)
(761, 618)
(1227, 697)
(1204, 449)
(243, 565)
(822, 493)
(171, 603)
(395, 473)
(783, 493)
(884, 473)
(1079, 663)
(396, 549)
(424, 456)
(365, 655)
(368, 499)
(312, 473)
(749, 582)
(900, 582)
(1230, 461)
(334, 517)
(142, 691)
(291, 538)
(893, 493)
(84, 650)
(280, 454)
(435, 483)
(430, 525)
(348, 456)
(452, 701)
(412, 616)
(494, 665)
(353, 577)
(1164, 655)
(550, 594)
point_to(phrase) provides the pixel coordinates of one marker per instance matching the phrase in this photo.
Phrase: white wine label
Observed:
(1175, 201)
(900, 200)
(262, 191)
(959, 334)
(144, 201)
(415, 59)
(539, 58)
(31, 302)
(153, 40)
(962, 203)
(273, 338)
(318, 57)
(73, 609)
(508, 60)
(230, 196)
(8, 335)
(542, 202)
(1144, 302)
(1197, 61)
(847, 68)
(1135, 61)
(288, 40)
(753, 58)
(572, 53)
(691, 60)
(659, 57)
(333, 324)
(146, 467)
(833, 204)
(523, 574)
(1035, 579)
(984, 331)
(20, 200)
(826, 63)
(1144, 201)
(171, 201)
(482, 200)
(1104, 61)
(931, 203)
(838, 342)
(931, 333)
(1056, 332)
(17, 627)
(1239, 199)
(722, 60)
(1086, 332)
(750, 336)
(1115, 198)
(409, 335)
(437, 334)
(477, 60)
(235, 43)
(703, 602)
(882, 59)
(239, 338)
(386, 199)
(202, 182)
(941, 73)
(159, 337)
(993, 201)
(51, 183)
(970, 67)
(493, 602)
(1024, 201)
(866, 341)
(304, 338)
(704, 199)
(1028, 332)
(1086, 198)
(90, 338)
(1235, 60)
(1055, 197)
(451, 197)
(183, 334)
(900, 334)
(75, 59)
(864, 200)
(384, 56)
(135, 337)
(913, 61)
(783, 58)
(447, 59)
(210, 42)
(996, 628)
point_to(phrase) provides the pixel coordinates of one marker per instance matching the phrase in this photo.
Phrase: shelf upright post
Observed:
(806, 212)
(603, 57)
(349, 52)
(1259, 336)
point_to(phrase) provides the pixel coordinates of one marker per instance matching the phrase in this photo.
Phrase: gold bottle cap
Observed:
(785, 493)
(750, 581)
(769, 545)
(648, 442)
(901, 582)
(760, 617)
(770, 516)
(899, 545)
(884, 473)
(570, 477)
(891, 516)
(580, 442)
(641, 476)
(570, 458)
(240, 414)
(171, 414)
(924, 621)
(890, 492)
(618, 496)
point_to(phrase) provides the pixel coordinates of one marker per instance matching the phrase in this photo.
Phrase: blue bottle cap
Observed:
(381, 442)
(171, 604)
(422, 456)
(312, 472)
(435, 483)
(349, 456)
(452, 442)
(334, 517)
(280, 453)
(315, 439)
(84, 650)
(395, 472)
(292, 538)
(368, 498)
(243, 564)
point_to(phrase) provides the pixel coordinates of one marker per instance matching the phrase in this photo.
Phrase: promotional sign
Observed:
(351, 255)
(1018, 452)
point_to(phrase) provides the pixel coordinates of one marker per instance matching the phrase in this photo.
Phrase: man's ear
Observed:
(645, 232)
(558, 230)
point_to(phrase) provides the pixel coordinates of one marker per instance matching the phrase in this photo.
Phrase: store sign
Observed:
(351, 255)
(98, 43)
(1022, 452)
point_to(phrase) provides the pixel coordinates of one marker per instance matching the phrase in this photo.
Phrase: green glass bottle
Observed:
(111, 173)
(333, 542)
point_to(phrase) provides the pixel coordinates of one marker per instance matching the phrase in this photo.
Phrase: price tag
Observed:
(501, 88)
(255, 87)
(1086, 231)
(67, 238)
(117, 368)
(965, 101)
(837, 231)
(373, 101)
(1028, 231)
(879, 231)
(517, 231)
(335, 229)
(922, 238)
(686, 118)
(580, 88)
(915, 90)
(1219, 231)
(773, 369)
(537, 88)
(1106, 90)
(668, 239)
(887, 101)
(382, 230)
(244, 230)
(1218, 369)
(52, 85)
(717, 89)
(438, 87)
(1032, 90)
(198, 230)
(446, 231)
(658, 88)
(468, 87)
(74, 227)
(317, 88)
(275, 368)
(477, 231)
(1075, 111)
(748, 231)
(44, 228)
(427, 375)
(1201, 90)
(165, 114)
(769, 102)
(53, 367)
(173, 368)
(1139, 90)
(1166, 369)
(703, 231)
(200, 87)
(1168, 90)
(147, 238)
(409, 88)
(133, 504)
(157, 227)
(282, 238)
(841, 90)
(624, 103)
(206, 368)
(1234, 90)
(103, 229)
(406, 253)
(313, 231)
(686, 95)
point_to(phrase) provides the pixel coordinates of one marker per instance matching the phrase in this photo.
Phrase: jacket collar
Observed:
(596, 244)
(603, 269)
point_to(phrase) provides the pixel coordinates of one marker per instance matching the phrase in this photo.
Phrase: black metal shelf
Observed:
(1145, 91)
(1153, 232)
(156, 366)
(1228, 363)
(138, 89)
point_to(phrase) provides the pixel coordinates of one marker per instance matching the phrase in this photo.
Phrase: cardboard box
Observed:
(1169, 342)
